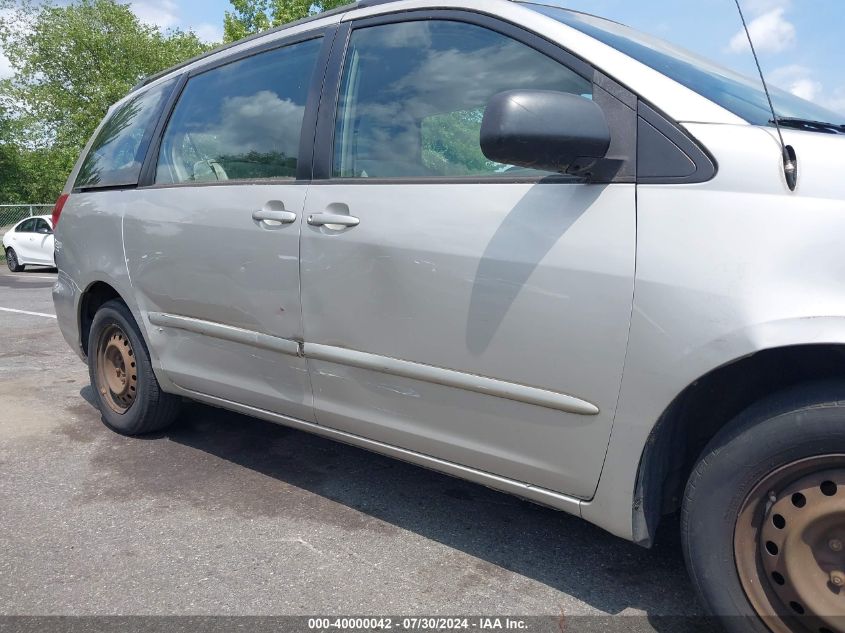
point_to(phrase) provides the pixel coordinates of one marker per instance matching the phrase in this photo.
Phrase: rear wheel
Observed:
(764, 516)
(127, 392)
(12, 261)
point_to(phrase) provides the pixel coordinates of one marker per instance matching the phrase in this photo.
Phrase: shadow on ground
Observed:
(358, 490)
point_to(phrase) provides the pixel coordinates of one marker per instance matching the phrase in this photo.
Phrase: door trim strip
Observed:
(226, 332)
(384, 364)
(450, 378)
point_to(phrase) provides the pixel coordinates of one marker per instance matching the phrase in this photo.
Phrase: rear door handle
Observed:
(267, 215)
(332, 219)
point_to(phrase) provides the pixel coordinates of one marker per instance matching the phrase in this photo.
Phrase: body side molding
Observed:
(226, 332)
(450, 378)
(384, 364)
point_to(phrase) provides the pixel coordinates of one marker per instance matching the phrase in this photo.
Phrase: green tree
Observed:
(451, 146)
(71, 63)
(254, 16)
(12, 177)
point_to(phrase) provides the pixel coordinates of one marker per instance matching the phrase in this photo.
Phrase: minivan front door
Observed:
(213, 245)
(462, 309)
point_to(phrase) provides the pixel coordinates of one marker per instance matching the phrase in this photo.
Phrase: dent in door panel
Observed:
(450, 378)
(197, 251)
(527, 284)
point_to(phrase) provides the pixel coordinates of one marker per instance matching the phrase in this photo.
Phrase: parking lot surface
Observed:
(228, 515)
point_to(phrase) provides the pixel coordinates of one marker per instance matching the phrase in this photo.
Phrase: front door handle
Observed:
(268, 215)
(333, 219)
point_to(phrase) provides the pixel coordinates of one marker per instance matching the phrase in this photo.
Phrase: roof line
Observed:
(224, 47)
(356, 4)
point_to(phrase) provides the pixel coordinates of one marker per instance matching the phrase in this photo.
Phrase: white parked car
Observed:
(30, 242)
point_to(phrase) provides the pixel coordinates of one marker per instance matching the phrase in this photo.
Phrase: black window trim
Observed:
(21, 223)
(306, 142)
(324, 141)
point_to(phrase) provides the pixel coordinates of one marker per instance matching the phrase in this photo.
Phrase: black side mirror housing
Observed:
(545, 130)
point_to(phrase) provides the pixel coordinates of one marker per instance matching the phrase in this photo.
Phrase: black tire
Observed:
(12, 261)
(800, 423)
(152, 409)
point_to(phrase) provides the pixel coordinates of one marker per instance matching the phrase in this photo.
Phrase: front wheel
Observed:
(12, 261)
(763, 520)
(127, 392)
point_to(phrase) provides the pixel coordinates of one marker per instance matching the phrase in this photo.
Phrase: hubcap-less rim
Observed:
(10, 259)
(789, 545)
(117, 376)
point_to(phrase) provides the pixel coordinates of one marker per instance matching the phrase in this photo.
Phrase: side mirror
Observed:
(45, 231)
(545, 130)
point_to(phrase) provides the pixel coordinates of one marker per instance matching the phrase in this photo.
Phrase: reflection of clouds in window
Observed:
(258, 123)
(448, 80)
(400, 35)
(240, 121)
(453, 68)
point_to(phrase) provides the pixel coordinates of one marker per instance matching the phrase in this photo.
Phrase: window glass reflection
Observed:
(118, 152)
(240, 121)
(413, 96)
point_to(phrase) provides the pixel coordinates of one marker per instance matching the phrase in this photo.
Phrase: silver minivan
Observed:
(513, 243)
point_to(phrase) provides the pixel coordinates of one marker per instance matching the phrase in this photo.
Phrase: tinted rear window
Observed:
(241, 121)
(119, 149)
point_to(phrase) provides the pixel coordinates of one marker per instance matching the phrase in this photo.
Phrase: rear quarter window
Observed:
(118, 151)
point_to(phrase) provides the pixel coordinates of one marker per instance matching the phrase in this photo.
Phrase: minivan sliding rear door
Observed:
(213, 243)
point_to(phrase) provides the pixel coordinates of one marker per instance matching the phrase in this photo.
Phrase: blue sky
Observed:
(799, 41)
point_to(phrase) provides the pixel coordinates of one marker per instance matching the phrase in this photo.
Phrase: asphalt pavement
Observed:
(228, 515)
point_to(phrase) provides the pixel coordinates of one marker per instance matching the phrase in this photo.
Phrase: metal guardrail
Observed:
(13, 213)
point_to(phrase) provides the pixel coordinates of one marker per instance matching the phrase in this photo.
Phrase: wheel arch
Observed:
(95, 295)
(703, 408)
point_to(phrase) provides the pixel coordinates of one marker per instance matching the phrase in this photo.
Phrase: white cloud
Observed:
(164, 14)
(802, 82)
(798, 80)
(835, 102)
(207, 32)
(161, 13)
(771, 33)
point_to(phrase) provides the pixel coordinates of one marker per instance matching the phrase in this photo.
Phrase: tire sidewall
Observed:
(11, 255)
(116, 313)
(763, 439)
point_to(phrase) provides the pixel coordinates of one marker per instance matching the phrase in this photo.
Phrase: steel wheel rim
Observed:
(117, 375)
(789, 546)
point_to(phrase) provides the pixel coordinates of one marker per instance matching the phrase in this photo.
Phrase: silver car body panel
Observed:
(725, 269)
(90, 219)
(221, 290)
(642, 290)
(473, 278)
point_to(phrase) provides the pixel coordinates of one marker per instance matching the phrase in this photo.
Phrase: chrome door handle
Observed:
(333, 219)
(266, 215)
